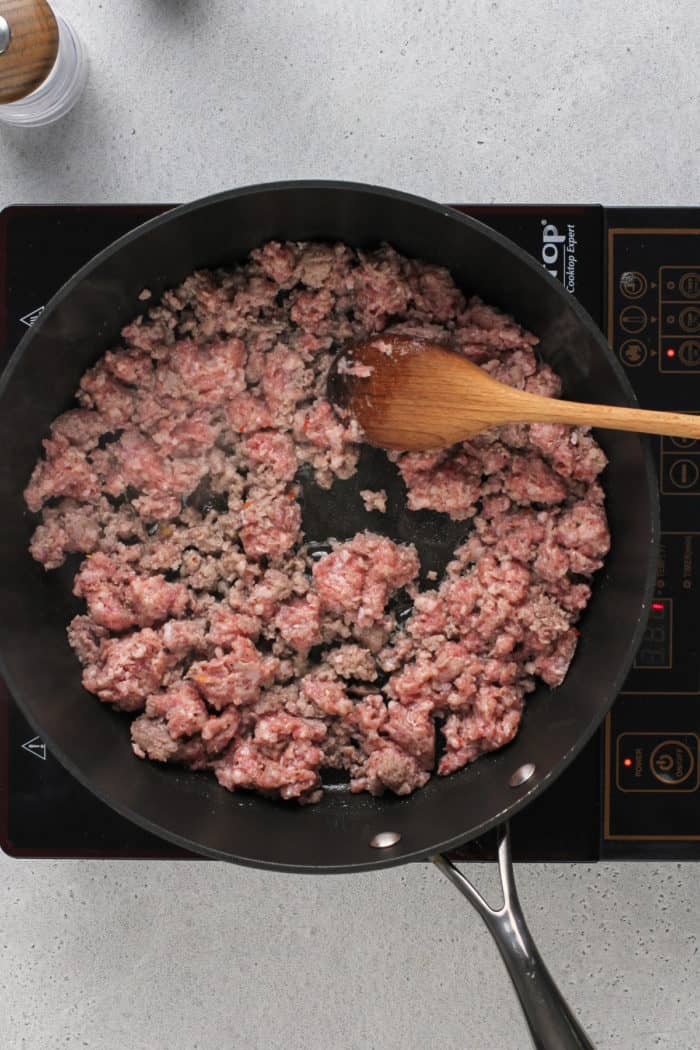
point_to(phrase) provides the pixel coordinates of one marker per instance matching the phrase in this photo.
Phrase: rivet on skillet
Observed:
(384, 839)
(522, 774)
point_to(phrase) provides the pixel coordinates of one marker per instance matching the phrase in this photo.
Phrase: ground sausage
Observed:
(238, 648)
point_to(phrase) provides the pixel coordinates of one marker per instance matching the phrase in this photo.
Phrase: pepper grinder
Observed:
(43, 65)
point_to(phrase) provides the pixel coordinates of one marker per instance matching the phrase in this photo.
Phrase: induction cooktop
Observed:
(634, 791)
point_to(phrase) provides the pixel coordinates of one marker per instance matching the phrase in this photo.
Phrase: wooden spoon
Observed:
(29, 39)
(411, 395)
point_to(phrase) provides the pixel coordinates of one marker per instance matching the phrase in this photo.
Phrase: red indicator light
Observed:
(627, 763)
(670, 352)
(657, 605)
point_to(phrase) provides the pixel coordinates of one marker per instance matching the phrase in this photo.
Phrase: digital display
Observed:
(656, 648)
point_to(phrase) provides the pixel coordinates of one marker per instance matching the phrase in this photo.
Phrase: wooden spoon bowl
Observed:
(411, 395)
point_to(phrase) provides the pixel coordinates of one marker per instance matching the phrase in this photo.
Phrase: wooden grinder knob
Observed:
(29, 55)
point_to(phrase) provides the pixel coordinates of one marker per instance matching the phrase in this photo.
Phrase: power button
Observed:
(672, 762)
(653, 763)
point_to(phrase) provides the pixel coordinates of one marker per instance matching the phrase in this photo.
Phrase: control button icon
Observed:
(689, 285)
(633, 319)
(633, 353)
(689, 353)
(689, 318)
(657, 763)
(684, 473)
(672, 762)
(633, 284)
(682, 442)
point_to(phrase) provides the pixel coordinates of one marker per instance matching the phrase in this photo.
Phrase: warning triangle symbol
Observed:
(36, 747)
(30, 318)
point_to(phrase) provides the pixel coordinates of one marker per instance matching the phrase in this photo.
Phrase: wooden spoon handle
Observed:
(530, 408)
(30, 55)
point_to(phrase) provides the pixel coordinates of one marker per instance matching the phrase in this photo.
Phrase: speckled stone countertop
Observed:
(485, 101)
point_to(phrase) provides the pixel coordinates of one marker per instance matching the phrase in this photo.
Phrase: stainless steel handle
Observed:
(552, 1024)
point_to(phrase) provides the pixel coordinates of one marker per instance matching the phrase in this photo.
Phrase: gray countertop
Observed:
(477, 100)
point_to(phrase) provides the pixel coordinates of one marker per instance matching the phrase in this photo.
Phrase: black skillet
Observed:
(345, 832)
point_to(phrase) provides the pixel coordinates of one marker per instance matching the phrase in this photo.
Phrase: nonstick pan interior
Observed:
(84, 319)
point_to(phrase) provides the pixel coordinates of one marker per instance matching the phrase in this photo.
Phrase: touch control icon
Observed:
(689, 285)
(633, 353)
(633, 319)
(633, 285)
(684, 473)
(657, 763)
(672, 762)
(689, 319)
(689, 352)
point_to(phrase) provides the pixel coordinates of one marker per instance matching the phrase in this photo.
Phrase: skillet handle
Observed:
(552, 1024)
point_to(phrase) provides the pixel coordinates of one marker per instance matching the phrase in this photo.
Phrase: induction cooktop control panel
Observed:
(652, 735)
